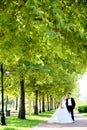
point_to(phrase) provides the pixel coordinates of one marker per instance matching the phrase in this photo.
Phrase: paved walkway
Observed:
(80, 124)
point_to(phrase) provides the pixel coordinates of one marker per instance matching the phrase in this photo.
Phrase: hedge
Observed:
(82, 109)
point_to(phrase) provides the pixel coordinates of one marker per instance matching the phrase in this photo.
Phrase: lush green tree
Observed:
(47, 35)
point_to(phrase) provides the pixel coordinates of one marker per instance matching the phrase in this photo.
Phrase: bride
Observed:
(61, 115)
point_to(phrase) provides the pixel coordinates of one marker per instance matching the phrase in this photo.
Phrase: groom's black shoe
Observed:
(73, 121)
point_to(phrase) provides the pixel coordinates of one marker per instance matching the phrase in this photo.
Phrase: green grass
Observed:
(13, 123)
(85, 114)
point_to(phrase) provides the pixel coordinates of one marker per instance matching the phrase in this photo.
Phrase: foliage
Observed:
(82, 109)
(43, 42)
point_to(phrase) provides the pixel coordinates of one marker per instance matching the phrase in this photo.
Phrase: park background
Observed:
(43, 54)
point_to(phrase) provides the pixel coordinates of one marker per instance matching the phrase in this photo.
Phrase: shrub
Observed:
(82, 109)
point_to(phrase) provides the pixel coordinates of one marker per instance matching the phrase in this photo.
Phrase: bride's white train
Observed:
(61, 115)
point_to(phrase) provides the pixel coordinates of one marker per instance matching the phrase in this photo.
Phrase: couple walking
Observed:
(65, 111)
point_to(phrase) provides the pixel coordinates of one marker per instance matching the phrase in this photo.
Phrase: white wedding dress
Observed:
(61, 115)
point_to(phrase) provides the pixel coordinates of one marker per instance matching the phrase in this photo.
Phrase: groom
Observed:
(70, 104)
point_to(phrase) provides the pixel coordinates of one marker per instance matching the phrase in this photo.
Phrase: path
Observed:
(80, 124)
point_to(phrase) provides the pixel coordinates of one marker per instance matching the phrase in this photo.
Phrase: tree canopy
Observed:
(44, 41)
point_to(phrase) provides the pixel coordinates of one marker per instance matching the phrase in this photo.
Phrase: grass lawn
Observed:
(85, 114)
(13, 123)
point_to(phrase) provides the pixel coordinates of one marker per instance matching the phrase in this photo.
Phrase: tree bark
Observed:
(40, 105)
(48, 108)
(6, 104)
(36, 102)
(21, 113)
(16, 103)
(51, 103)
(43, 104)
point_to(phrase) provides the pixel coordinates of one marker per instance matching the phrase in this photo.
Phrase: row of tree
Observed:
(43, 46)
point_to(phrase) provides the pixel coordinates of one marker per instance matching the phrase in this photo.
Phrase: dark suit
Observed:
(71, 107)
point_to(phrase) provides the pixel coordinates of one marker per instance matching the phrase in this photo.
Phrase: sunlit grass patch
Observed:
(14, 123)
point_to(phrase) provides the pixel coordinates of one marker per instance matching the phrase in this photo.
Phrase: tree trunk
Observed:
(43, 104)
(55, 105)
(36, 102)
(6, 104)
(30, 105)
(51, 103)
(21, 113)
(16, 103)
(40, 105)
(48, 108)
